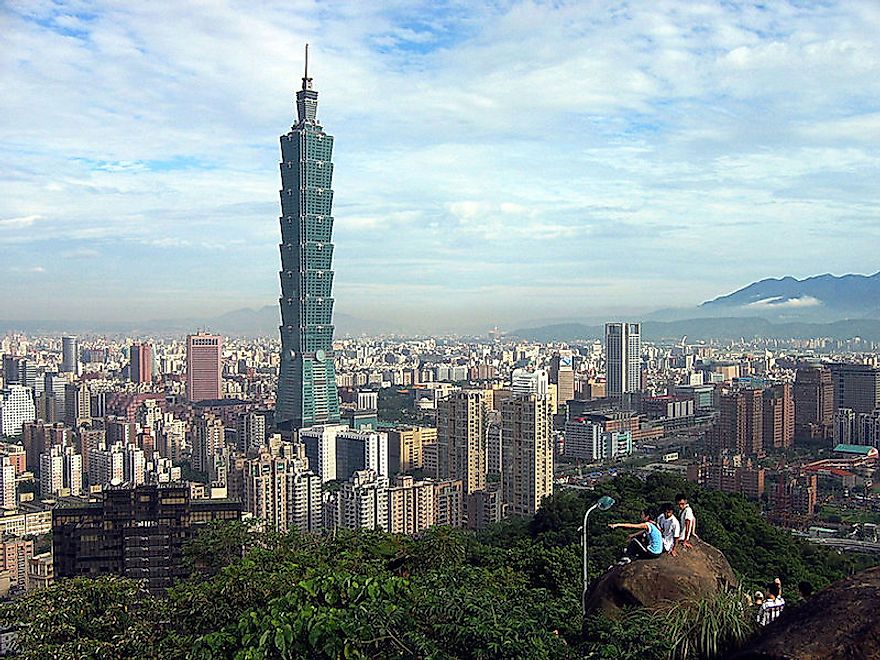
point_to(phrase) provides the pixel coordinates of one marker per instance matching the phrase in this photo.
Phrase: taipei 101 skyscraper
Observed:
(307, 392)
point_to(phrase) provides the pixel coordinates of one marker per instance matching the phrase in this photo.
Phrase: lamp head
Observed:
(605, 503)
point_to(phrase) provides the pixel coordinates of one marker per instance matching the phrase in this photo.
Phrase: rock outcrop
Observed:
(837, 623)
(696, 572)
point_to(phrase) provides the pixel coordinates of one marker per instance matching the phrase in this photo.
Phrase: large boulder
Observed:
(696, 572)
(837, 623)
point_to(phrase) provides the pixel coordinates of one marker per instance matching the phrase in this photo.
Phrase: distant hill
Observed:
(713, 328)
(826, 297)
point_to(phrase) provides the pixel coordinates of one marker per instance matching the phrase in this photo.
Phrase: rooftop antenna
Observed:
(307, 82)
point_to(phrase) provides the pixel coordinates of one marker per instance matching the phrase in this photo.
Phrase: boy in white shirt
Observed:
(669, 527)
(688, 521)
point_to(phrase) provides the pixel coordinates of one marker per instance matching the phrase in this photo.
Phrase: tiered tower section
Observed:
(307, 392)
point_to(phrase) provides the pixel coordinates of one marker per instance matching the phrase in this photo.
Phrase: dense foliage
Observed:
(512, 591)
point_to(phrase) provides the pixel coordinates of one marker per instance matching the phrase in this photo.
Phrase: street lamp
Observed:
(603, 504)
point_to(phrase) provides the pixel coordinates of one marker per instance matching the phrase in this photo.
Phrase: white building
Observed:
(588, 441)
(361, 503)
(16, 408)
(7, 484)
(52, 472)
(526, 382)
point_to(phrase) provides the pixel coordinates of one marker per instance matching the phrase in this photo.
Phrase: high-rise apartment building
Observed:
(740, 427)
(461, 439)
(527, 447)
(69, 355)
(856, 386)
(16, 409)
(410, 505)
(250, 432)
(813, 393)
(204, 367)
(361, 503)
(52, 472)
(15, 554)
(778, 414)
(208, 435)
(7, 484)
(307, 393)
(77, 404)
(282, 491)
(623, 358)
(361, 450)
(409, 441)
(140, 363)
(137, 533)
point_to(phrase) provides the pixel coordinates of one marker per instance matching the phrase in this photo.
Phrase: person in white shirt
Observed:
(670, 528)
(688, 522)
(773, 605)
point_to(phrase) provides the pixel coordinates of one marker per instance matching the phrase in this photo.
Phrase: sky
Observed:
(507, 162)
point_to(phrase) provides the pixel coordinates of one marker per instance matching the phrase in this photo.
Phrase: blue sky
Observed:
(506, 162)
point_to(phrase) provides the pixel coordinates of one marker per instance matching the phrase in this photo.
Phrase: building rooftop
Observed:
(861, 450)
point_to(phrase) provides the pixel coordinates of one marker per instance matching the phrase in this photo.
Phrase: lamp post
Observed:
(603, 504)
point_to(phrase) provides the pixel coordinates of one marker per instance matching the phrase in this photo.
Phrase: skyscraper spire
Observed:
(307, 82)
(307, 98)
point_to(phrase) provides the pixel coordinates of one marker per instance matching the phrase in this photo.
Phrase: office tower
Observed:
(69, 355)
(250, 432)
(527, 448)
(307, 393)
(526, 382)
(52, 471)
(7, 484)
(461, 439)
(208, 436)
(77, 404)
(778, 416)
(361, 503)
(282, 491)
(204, 367)
(562, 374)
(856, 386)
(813, 393)
(320, 443)
(140, 363)
(623, 358)
(16, 409)
(16, 554)
(136, 533)
(740, 426)
(361, 450)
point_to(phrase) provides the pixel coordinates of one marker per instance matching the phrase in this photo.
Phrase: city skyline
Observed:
(670, 138)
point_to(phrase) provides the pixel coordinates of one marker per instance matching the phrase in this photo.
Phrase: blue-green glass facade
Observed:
(307, 391)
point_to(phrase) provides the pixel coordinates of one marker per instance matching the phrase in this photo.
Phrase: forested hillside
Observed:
(510, 592)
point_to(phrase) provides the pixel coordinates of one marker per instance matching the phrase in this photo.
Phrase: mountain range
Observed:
(826, 297)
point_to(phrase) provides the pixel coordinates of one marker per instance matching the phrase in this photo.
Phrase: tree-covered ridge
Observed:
(511, 592)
